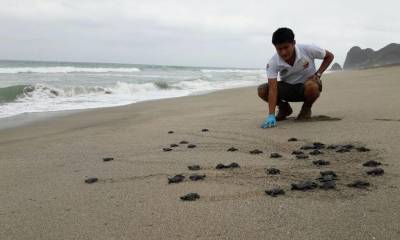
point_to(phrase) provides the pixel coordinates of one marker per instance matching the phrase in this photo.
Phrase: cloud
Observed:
(216, 33)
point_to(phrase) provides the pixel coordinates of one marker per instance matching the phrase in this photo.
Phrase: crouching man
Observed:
(299, 79)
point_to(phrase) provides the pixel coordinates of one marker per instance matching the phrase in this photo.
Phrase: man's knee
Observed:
(311, 89)
(263, 91)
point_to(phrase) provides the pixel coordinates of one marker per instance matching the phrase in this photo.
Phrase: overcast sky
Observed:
(221, 33)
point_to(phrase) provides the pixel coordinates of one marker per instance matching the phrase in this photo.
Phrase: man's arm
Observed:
(272, 74)
(270, 121)
(272, 95)
(325, 63)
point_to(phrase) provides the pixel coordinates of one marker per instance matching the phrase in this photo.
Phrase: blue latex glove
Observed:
(269, 122)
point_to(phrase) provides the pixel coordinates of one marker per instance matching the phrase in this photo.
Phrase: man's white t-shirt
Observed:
(303, 67)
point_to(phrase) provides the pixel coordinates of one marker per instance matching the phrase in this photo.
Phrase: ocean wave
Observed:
(10, 94)
(231, 70)
(18, 99)
(67, 69)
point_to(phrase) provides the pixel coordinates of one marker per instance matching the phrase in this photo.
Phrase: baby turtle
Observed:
(359, 184)
(328, 185)
(304, 185)
(204, 130)
(232, 165)
(107, 159)
(256, 151)
(292, 139)
(275, 155)
(170, 132)
(348, 146)
(232, 149)
(371, 163)
(320, 162)
(273, 171)
(183, 142)
(220, 166)
(316, 152)
(318, 145)
(275, 192)
(343, 150)
(196, 177)
(297, 152)
(307, 147)
(301, 156)
(91, 180)
(167, 149)
(174, 145)
(190, 197)
(328, 172)
(332, 146)
(191, 146)
(194, 167)
(363, 149)
(376, 172)
(326, 178)
(176, 179)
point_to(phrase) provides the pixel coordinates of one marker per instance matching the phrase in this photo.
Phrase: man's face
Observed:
(286, 50)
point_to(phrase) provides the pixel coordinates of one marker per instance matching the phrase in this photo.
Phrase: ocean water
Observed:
(34, 87)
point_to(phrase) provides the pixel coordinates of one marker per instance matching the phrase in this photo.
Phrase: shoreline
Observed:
(31, 117)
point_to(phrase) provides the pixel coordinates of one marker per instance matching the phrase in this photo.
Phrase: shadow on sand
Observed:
(317, 118)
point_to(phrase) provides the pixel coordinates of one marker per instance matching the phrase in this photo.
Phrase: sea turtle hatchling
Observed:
(273, 171)
(256, 151)
(328, 185)
(196, 177)
(190, 197)
(275, 192)
(91, 180)
(232, 149)
(176, 179)
(304, 185)
(194, 167)
(297, 152)
(371, 163)
(231, 165)
(359, 184)
(275, 155)
(316, 152)
(301, 156)
(328, 172)
(167, 149)
(321, 162)
(363, 149)
(376, 172)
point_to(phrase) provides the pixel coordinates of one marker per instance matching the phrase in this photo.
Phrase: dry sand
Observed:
(43, 166)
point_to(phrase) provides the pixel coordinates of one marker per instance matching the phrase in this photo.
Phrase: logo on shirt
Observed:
(284, 71)
(306, 64)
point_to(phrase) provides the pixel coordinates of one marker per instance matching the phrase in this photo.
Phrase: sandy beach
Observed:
(43, 166)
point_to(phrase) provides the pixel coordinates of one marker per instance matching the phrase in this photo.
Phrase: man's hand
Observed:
(269, 122)
(316, 79)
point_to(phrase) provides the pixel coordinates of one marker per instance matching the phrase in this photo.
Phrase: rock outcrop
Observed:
(336, 67)
(358, 58)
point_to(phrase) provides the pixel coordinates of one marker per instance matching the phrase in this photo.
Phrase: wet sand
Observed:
(43, 167)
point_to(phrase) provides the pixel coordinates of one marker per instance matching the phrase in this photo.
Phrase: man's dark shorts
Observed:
(287, 92)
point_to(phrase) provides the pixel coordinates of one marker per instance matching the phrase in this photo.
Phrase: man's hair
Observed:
(283, 35)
